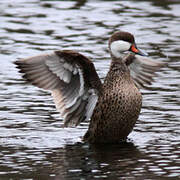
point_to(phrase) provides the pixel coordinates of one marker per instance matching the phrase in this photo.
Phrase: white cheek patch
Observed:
(117, 47)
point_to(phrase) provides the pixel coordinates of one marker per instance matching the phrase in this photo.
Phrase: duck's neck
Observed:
(117, 64)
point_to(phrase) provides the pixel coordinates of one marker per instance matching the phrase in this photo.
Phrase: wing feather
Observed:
(143, 69)
(72, 79)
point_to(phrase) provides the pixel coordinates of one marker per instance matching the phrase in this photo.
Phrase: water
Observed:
(32, 143)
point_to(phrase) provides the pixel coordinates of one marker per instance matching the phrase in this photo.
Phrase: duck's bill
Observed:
(135, 50)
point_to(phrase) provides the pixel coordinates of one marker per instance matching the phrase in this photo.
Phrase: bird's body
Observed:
(117, 109)
(113, 106)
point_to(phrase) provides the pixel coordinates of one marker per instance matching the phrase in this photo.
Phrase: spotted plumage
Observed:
(113, 107)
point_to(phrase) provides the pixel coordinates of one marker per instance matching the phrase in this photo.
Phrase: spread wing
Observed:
(72, 79)
(143, 69)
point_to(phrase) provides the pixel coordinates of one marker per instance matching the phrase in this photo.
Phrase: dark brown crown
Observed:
(121, 35)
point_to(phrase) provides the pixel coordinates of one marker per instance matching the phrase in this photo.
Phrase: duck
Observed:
(112, 107)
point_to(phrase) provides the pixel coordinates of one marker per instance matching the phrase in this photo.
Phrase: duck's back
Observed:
(117, 109)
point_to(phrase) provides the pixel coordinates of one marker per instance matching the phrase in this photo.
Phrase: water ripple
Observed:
(32, 143)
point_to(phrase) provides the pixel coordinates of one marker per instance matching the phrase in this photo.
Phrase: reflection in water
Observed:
(92, 161)
(99, 161)
(32, 144)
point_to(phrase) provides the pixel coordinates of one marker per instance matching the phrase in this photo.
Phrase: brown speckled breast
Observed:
(117, 109)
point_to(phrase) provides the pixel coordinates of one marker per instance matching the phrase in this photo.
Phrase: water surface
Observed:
(32, 143)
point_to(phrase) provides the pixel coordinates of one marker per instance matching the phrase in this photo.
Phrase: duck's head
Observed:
(121, 42)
